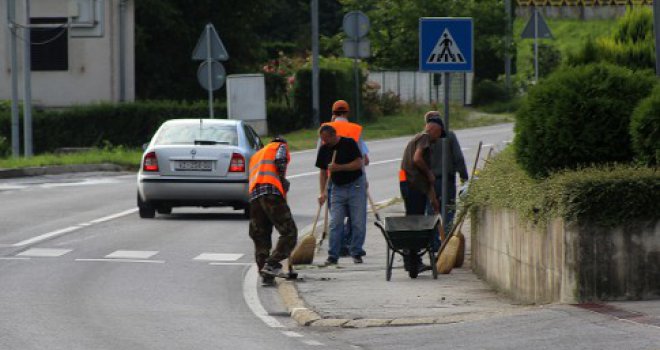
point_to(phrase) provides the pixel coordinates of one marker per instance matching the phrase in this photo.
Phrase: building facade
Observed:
(82, 51)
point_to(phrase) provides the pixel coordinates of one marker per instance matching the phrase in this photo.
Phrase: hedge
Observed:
(336, 82)
(128, 124)
(579, 116)
(645, 129)
(607, 195)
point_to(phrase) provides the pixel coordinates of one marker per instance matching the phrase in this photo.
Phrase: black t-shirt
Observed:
(347, 151)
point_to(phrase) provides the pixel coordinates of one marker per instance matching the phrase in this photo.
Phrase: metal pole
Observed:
(445, 151)
(355, 69)
(209, 64)
(536, 45)
(15, 119)
(122, 51)
(507, 45)
(27, 99)
(656, 29)
(315, 64)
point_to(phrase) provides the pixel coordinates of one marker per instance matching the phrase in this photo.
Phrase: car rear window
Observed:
(177, 134)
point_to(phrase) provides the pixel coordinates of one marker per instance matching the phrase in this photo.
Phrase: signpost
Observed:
(210, 74)
(356, 45)
(534, 29)
(446, 45)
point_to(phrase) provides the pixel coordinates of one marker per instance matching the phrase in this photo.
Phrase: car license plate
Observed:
(194, 165)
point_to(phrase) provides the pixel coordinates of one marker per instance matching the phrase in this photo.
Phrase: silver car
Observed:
(196, 162)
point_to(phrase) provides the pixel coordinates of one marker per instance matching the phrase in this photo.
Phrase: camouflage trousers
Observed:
(265, 212)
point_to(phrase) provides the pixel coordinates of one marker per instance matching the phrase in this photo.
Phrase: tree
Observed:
(394, 31)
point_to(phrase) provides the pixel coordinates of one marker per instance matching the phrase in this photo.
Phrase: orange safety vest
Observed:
(402, 176)
(347, 129)
(263, 169)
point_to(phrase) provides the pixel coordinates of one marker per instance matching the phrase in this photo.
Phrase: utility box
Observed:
(246, 100)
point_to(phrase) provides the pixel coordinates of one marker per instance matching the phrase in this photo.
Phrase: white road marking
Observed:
(218, 257)
(292, 334)
(44, 252)
(114, 216)
(251, 298)
(52, 234)
(125, 260)
(132, 254)
(14, 258)
(303, 174)
(46, 236)
(310, 173)
(313, 342)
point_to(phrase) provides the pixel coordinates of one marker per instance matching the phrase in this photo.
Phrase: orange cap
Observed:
(340, 106)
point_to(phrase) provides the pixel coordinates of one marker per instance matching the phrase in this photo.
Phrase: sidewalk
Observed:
(354, 296)
(357, 296)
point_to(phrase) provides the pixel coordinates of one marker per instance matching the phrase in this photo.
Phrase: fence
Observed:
(423, 88)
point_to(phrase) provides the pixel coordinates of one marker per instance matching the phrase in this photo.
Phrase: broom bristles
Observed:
(447, 258)
(460, 254)
(304, 252)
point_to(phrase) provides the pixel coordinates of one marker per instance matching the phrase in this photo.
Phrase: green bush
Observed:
(282, 119)
(607, 195)
(645, 129)
(631, 44)
(579, 116)
(336, 82)
(5, 148)
(129, 124)
(488, 91)
(549, 59)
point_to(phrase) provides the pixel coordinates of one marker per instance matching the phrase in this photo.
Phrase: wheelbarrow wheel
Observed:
(388, 267)
(413, 270)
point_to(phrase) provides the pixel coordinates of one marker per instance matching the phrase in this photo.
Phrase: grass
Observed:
(129, 158)
(407, 122)
(569, 35)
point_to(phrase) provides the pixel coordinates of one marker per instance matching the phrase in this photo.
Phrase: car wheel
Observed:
(146, 210)
(164, 210)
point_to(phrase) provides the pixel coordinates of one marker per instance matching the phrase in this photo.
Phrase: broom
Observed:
(449, 250)
(304, 252)
(460, 257)
(325, 229)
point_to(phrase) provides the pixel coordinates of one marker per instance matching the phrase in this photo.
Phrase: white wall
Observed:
(93, 74)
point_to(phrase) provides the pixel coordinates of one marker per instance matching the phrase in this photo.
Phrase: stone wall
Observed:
(565, 262)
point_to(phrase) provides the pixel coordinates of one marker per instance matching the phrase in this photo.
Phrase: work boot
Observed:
(357, 259)
(267, 281)
(272, 270)
(330, 262)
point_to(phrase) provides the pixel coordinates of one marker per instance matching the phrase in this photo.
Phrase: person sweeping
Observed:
(268, 207)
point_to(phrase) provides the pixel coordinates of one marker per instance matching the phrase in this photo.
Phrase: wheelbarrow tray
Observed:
(409, 236)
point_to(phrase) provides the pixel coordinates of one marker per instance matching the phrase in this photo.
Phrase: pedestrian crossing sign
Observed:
(446, 44)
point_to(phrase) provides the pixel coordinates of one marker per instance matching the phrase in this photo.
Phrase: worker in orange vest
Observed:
(344, 128)
(268, 207)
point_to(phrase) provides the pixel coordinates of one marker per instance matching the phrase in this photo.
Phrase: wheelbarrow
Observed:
(410, 236)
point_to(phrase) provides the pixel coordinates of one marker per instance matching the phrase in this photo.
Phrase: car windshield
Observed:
(177, 134)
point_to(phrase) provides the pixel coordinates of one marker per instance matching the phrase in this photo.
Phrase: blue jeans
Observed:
(348, 235)
(350, 201)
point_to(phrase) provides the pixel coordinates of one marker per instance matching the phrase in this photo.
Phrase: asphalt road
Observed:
(80, 270)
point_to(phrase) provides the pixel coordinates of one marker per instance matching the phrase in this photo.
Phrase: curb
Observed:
(58, 169)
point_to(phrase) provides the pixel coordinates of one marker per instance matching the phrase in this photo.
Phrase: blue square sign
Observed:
(446, 44)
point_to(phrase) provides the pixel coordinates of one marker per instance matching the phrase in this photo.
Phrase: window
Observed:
(49, 41)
